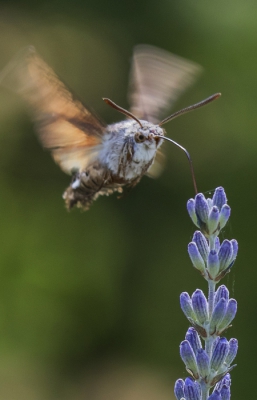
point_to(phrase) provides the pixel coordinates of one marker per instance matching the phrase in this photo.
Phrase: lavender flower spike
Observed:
(207, 356)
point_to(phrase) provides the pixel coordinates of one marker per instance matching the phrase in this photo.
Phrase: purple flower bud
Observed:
(209, 202)
(235, 248)
(201, 244)
(188, 357)
(219, 197)
(194, 339)
(200, 306)
(232, 351)
(215, 396)
(229, 316)
(225, 254)
(213, 264)
(222, 292)
(225, 392)
(192, 390)
(220, 352)
(201, 208)
(213, 220)
(224, 215)
(186, 305)
(196, 257)
(217, 315)
(203, 363)
(179, 389)
(217, 244)
(191, 211)
(223, 387)
(224, 381)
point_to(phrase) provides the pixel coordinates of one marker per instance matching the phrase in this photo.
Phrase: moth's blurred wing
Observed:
(157, 79)
(65, 127)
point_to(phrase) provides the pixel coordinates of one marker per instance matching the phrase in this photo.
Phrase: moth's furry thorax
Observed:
(126, 156)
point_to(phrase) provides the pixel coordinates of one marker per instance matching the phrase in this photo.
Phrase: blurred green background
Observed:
(89, 302)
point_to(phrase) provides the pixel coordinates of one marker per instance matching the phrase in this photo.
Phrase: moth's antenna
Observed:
(122, 110)
(190, 108)
(188, 157)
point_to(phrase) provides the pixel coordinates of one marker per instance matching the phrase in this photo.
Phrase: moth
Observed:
(103, 158)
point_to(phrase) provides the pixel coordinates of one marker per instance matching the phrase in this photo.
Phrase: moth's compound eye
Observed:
(139, 137)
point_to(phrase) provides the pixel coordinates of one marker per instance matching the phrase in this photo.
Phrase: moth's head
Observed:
(148, 134)
(143, 132)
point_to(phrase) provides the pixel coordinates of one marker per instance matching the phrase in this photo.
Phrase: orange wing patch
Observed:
(64, 125)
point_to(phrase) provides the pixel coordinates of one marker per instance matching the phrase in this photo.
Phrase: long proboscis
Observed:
(188, 157)
(190, 108)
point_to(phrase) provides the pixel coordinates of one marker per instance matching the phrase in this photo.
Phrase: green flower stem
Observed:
(211, 294)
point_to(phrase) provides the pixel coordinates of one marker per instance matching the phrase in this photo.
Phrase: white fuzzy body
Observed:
(121, 153)
(124, 156)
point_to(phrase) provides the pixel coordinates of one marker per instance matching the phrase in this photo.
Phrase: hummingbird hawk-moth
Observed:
(102, 158)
